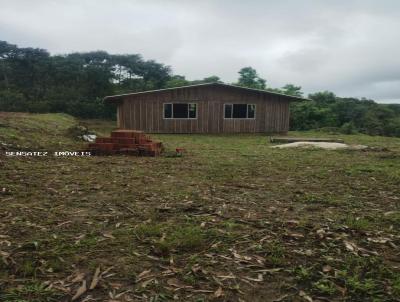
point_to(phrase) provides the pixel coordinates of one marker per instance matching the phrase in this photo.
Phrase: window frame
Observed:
(247, 113)
(240, 118)
(172, 112)
(180, 118)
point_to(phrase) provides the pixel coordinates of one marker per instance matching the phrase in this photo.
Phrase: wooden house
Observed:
(204, 108)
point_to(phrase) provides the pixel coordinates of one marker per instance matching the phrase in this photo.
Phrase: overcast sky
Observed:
(349, 47)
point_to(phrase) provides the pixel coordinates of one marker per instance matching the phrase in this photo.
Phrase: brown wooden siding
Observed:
(145, 111)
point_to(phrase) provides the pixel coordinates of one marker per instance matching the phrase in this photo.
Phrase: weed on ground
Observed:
(230, 220)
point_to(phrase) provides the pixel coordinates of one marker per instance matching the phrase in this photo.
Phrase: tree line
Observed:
(328, 112)
(33, 80)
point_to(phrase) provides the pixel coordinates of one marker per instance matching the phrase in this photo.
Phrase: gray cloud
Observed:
(349, 47)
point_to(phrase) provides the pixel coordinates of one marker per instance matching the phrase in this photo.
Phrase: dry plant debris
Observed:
(231, 220)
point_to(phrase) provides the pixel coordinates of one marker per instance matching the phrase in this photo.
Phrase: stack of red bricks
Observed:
(130, 142)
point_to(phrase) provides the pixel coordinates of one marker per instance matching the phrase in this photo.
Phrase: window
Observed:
(228, 111)
(167, 110)
(192, 110)
(239, 111)
(251, 111)
(180, 110)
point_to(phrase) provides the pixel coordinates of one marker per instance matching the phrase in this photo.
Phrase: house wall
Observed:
(145, 111)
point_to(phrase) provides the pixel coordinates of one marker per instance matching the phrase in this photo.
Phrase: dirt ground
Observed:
(231, 220)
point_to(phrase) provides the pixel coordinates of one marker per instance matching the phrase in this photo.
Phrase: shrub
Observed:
(348, 128)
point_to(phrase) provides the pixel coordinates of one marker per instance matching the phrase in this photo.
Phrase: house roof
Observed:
(119, 96)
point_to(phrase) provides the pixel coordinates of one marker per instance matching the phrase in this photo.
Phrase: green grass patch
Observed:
(31, 292)
(361, 278)
(393, 218)
(358, 223)
(325, 287)
(315, 199)
(149, 230)
(275, 253)
(24, 131)
(303, 274)
(185, 239)
(173, 238)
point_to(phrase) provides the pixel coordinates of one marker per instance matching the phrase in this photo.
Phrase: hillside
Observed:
(231, 220)
(36, 131)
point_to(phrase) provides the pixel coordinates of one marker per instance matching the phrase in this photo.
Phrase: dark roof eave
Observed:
(118, 97)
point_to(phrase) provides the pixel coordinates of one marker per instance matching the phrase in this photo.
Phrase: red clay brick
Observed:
(130, 142)
(122, 146)
(126, 133)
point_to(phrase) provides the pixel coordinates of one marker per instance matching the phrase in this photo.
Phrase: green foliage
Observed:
(31, 80)
(348, 128)
(396, 286)
(11, 101)
(167, 239)
(393, 218)
(325, 287)
(275, 253)
(324, 110)
(178, 80)
(185, 239)
(363, 278)
(356, 223)
(308, 198)
(34, 292)
(325, 97)
(211, 79)
(293, 90)
(249, 78)
(307, 115)
(303, 274)
(149, 230)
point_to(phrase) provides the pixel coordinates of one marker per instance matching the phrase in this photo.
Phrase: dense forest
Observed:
(33, 80)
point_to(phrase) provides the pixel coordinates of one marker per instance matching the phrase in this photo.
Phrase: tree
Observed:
(177, 81)
(155, 75)
(6, 52)
(33, 80)
(212, 79)
(307, 115)
(249, 78)
(293, 90)
(324, 97)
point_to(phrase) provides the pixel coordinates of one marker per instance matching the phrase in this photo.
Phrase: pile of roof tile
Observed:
(131, 142)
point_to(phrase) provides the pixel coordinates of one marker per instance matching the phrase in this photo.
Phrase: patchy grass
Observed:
(149, 230)
(310, 198)
(33, 292)
(231, 219)
(393, 218)
(186, 239)
(358, 223)
(34, 132)
(275, 253)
